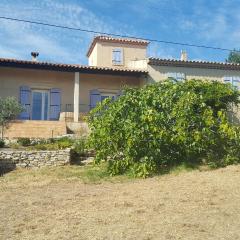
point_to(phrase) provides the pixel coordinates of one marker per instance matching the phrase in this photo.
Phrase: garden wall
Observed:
(11, 159)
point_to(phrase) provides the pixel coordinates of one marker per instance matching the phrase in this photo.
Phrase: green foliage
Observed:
(53, 144)
(9, 110)
(24, 142)
(234, 57)
(2, 143)
(80, 147)
(159, 126)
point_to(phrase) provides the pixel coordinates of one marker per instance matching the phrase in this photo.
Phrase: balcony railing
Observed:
(84, 108)
(68, 109)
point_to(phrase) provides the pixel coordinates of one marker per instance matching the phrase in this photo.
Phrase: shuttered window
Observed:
(55, 104)
(96, 96)
(233, 80)
(176, 76)
(117, 56)
(25, 101)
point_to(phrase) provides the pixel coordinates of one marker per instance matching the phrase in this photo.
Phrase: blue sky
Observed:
(202, 22)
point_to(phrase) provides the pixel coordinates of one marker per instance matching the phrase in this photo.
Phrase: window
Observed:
(108, 95)
(233, 80)
(117, 56)
(97, 96)
(40, 105)
(177, 76)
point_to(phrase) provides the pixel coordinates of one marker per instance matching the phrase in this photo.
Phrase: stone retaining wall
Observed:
(11, 159)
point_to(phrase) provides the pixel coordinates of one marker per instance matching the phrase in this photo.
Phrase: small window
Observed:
(233, 80)
(117, 56)
(176, 76)
(108, 95)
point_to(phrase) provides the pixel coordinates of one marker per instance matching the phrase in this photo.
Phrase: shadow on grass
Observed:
(178, 168)
(6, 167)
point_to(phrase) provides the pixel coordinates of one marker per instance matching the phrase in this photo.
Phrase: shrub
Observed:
(162, 125)
(80, 147)
(53, 144)
(24, 142)
(2, 143)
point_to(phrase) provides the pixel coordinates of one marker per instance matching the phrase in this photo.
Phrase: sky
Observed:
(201, 22)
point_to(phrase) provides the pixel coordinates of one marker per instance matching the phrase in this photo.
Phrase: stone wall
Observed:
(11, 159)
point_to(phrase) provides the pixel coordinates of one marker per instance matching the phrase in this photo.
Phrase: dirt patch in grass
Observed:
(58, 204)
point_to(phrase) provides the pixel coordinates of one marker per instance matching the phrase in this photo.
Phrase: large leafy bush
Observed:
(150, 129)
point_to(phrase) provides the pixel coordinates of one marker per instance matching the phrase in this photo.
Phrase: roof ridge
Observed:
(115, 39)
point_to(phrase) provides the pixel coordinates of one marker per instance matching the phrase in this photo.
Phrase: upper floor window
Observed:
(117, 56)
(233, 80)
(176, 76)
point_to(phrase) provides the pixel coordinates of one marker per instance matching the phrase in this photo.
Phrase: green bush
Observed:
(80, 147)
(162, 125)
(53, 144)
(2, 143)
(24, 142)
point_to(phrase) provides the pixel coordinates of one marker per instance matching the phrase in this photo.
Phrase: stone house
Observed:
(56, 96)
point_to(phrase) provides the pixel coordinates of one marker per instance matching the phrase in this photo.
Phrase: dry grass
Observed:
(59, 204)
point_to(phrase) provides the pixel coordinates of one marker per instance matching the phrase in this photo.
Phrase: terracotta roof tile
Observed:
(64, 67)
(189, 63)
(116, 40)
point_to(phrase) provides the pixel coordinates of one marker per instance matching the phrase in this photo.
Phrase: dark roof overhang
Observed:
(193, 64)
(14, 63)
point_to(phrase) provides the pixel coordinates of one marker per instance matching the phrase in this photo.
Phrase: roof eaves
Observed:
(66, 67)
(198, 64)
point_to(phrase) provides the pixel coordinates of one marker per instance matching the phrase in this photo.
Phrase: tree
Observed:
(234, 57)
(9, 110)
(153, 128)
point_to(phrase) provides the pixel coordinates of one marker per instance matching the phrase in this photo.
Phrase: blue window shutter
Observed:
(117, 56)
(120, 92)
(25, 101)
(114, 56)
(227, 79)
(235, 82)
(55, 104)
(178, 76)
(172, 75)
(95, 97)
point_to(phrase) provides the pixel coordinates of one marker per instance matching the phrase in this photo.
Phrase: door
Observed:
(40, 105)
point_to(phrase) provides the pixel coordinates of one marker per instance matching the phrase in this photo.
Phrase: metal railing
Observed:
(68, 109)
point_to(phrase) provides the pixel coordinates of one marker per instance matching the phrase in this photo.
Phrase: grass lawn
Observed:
(75, 202)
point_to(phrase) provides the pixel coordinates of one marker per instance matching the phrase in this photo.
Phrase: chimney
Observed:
(34, 56)
(184, 56)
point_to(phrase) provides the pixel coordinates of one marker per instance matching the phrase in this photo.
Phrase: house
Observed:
(56, 95)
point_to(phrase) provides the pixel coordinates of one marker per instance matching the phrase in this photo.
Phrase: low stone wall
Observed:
(11, 159)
